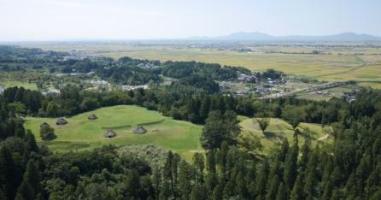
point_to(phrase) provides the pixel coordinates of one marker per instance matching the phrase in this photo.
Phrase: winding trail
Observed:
(323, 137)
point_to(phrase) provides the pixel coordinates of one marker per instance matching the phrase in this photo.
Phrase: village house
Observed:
(139, 130)
(61, 121)
(92, 117)
(147, 66)
(109, 133)
(133, 87)
(247, 78)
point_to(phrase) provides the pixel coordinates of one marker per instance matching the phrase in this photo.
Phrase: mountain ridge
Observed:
(258, 36)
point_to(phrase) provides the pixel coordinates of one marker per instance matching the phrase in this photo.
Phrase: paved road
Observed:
(308, 89)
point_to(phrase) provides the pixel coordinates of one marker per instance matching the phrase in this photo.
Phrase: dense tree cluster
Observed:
(184, 102)
(16, 59)
(350, 169)
(19, 175)
(100, 174)
(47, 132)
(213, 71)
(271, 74)
(219, 128)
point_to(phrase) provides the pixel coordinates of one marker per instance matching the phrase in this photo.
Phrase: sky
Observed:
(45, 20)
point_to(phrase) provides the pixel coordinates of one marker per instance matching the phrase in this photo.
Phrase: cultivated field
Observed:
(83, 134)
(365, 69)
(280, 129)
(334, 63)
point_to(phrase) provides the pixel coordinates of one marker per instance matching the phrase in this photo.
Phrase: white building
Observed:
(133, 87)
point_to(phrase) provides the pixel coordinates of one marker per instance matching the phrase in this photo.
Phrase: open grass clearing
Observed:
(14, 83)
(83, 134)
(279, 129)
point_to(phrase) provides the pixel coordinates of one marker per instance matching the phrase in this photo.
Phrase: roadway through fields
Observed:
(308, 89)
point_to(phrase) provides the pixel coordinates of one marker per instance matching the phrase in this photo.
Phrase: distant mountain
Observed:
(247, 36)
(257, 36)
(337, 37)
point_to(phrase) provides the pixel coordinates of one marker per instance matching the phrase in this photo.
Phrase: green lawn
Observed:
(179, 136)
(81, 133)
(280, 129)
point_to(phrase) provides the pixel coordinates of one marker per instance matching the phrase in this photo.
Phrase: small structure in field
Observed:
(110, 133)
(139, 130)
(92, 117)
(61, 121)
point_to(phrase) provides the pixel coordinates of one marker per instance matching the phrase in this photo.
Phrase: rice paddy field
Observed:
(279, 129)
(335, 63)
(365, 69)
(83, 134)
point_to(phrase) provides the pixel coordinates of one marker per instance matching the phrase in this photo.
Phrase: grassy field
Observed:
(179, 136)
(12, 83)
(80, 133)
(279, 130)
(361, 64)
(19, 79)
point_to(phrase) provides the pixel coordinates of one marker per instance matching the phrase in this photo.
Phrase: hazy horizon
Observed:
(62, 20)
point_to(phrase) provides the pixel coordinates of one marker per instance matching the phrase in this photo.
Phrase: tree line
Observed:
(185, 103)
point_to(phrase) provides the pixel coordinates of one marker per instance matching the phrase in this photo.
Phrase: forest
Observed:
(349, 168)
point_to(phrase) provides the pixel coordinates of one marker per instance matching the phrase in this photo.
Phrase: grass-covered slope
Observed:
(81, 133)
(179, 136)
(279, 129)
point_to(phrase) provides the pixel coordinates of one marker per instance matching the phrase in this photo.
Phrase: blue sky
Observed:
(150, 19)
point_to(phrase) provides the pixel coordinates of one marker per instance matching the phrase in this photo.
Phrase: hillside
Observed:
(179, 136)
(279, 129)
(83, 134)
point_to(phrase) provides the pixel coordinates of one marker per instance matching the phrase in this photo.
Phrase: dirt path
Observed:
(323, 137)
(308, 89)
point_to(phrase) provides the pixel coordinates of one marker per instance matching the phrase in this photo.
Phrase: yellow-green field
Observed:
(179, 136)
(279, 129)
(19, 79)
(322, 67)
(81, 133)
(361, 64)
(11, 83)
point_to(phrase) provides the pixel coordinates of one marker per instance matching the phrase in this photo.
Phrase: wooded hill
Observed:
(349, 168)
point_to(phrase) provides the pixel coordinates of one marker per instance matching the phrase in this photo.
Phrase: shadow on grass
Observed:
(272, 136)
(64, 146)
